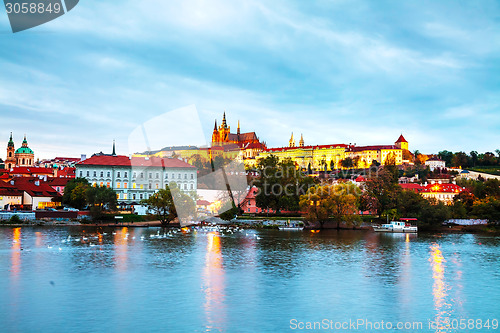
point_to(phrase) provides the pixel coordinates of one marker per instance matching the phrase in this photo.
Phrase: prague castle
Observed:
(22, 157)
(329, 157)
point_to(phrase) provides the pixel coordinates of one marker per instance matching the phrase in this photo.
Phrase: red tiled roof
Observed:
(378, 147)
(270, 150)
(9, 190)
(412, 186)
(120, 160)
(443, 188)
(29, 185)
(29, 171)
(57, 181)
(202, 203)
(401, 139)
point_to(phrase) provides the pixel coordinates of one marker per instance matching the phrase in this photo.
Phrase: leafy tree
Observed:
(332, 165)
(446, 156)
(165, 207)
(339, 202)
(280, 184)
(100, 199)
(383, 187)
(347, 163)
(75, 193)
(474, 157)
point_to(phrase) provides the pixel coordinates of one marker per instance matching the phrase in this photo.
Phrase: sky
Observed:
(336, 71)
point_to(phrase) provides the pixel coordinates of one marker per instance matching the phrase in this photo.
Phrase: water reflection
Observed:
(121, 252)
(439, 288)
(16, 253)
(214, 284)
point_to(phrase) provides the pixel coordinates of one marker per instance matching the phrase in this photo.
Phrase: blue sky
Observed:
(337, 71)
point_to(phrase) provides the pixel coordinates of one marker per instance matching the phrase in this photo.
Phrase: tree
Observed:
(100, 199)
(474, 157)
(75, 193)
(383, 188)
(162, 204)
(446, 156)
(347, 163)
(332, 165)
(280, 184)
(339, 202)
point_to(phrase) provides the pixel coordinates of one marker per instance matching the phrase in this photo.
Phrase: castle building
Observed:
(22, 157)
(329, 157)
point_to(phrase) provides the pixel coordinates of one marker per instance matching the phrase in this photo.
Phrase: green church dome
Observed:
(24, 150)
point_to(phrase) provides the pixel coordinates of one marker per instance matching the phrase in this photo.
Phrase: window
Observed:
(117, 195)
(166, 176)
(192, 176)
(173, 176)
(102, 174)
(149, 186)
(133, 185)
(141, 175)
(81, 173)
(118, 174)
(156, 185)
(125, 185)
(192, 186)
(95, 173)
(134, 176)
(133, 196)
(100, 184)
(107, 184)
(125, 174)
(185, 176)
(179, 176)
(140, 196)
(109, 174)
(88, 173)
(157, 175)
(118, 185)
(142, 186)
(125, 196)
(150, 175)
(185, 186)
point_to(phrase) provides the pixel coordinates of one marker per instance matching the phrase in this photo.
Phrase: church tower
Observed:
(10, 162)
(25, 157)
(291, 143)
(301, 142)
(402, 143)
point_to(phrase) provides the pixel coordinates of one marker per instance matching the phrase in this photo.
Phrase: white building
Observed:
(137, 178)
(435, 163)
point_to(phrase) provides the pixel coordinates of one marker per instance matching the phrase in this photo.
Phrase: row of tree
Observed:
(79, 194)
(472, 159)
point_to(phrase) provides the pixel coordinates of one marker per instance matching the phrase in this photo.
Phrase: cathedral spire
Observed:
(114, 150)
(224, 124)
(215, 126)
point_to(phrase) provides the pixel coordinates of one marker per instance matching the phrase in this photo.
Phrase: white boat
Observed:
(286, 228)
(395, 226)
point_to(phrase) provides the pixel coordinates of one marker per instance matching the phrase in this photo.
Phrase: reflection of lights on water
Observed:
(16, 252)
(120, 241)
(439, 287)
(214, 284)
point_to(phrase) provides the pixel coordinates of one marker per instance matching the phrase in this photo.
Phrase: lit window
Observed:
(100, 184)
(156, 185)
(142, 186)
(125, 185)
(107, 184)
(118, 185)
(133, 185)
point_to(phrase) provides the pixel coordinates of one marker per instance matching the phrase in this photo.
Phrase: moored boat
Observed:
(396, 226)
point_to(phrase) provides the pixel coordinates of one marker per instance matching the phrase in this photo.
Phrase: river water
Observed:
(78, 279)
